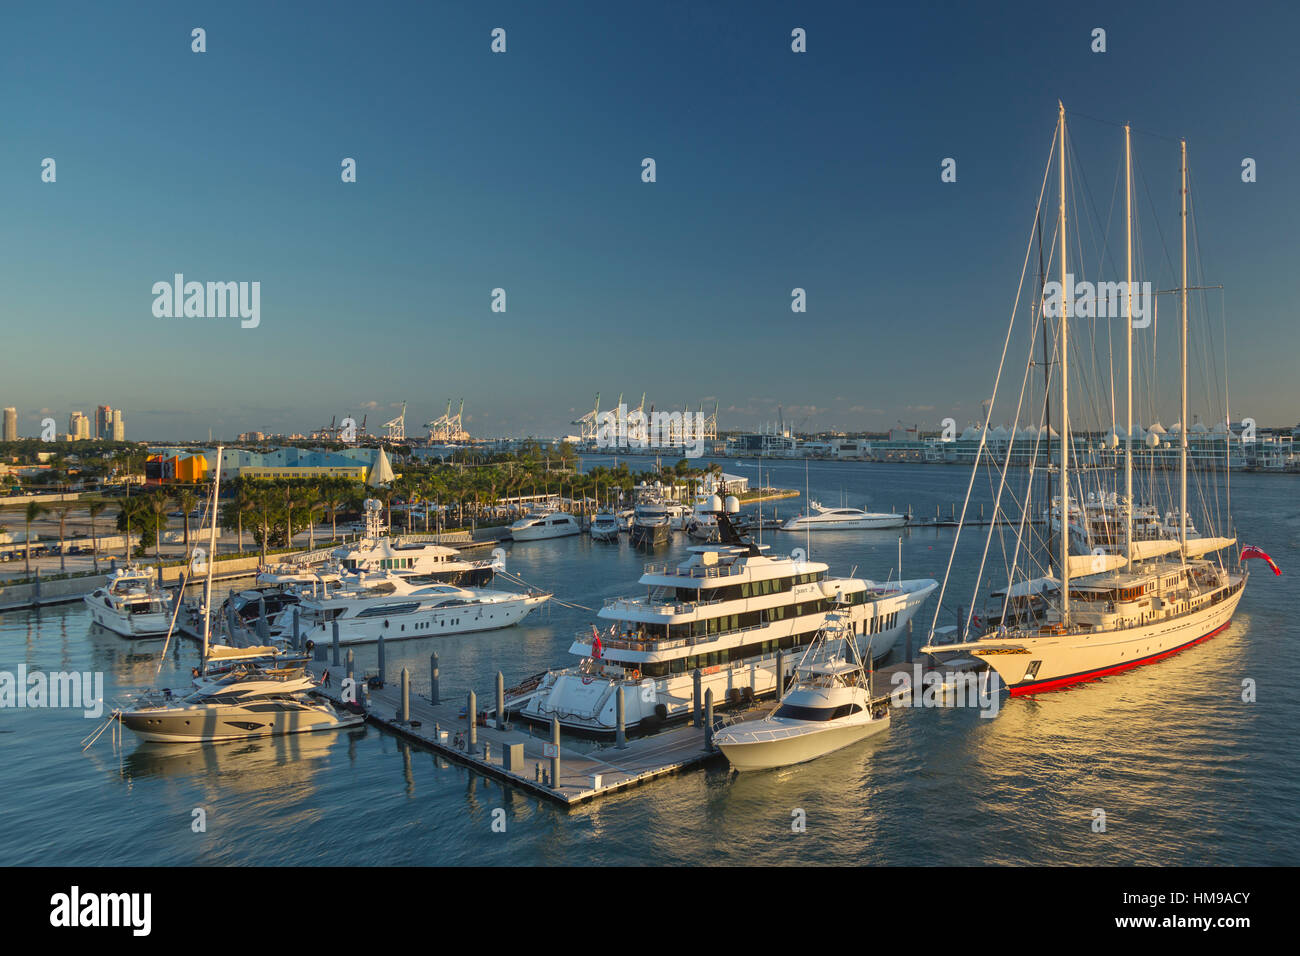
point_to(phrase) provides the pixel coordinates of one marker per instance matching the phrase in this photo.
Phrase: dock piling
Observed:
(555, 756)
(406, 696)
(471, 714)
(501, 702)
(296, 633)
(433, 679)
(620, 735)
(697, 701)
(780, 673)
(263, 630)
(336, 643)
(351, 663)
(708, 719)
(383, 670)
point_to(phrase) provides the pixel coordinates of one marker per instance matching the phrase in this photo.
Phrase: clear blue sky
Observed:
(522, 171)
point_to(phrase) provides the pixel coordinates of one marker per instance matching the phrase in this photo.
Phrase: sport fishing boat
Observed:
(828, 707)
(538, 525)
(604, 526)
(393, 607)
(130, 604)
(822, 518)
(1102, 613)
(730, 611)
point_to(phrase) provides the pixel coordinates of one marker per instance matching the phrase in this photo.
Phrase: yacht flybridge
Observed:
(1142, 594)
(726, 611)
(822, 518)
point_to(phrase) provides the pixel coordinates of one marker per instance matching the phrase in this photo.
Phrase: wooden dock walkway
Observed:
(588, 768)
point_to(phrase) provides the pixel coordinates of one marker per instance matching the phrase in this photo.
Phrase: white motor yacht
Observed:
(652, 524)
(130, 604)
(828, 707)
(393, 607)
(537, 525)
(604, 526)
(843, 519)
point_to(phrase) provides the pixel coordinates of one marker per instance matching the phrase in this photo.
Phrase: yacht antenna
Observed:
(1128, 350)
(1182, 427)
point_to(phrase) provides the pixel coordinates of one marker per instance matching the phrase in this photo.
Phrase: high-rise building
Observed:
(119, 425)
(104, 422)
(11, 424)
(78, 426)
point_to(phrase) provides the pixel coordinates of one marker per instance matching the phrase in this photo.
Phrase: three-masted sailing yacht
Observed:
(1103, 613)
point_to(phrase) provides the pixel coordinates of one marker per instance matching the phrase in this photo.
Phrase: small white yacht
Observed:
(604, 526)
(393, 607)
(828, 707)
(843, 519)
(130, 604)
(537, 525)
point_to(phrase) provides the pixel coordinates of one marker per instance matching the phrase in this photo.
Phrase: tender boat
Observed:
(843, 519)
(131, 604)
(828, 707)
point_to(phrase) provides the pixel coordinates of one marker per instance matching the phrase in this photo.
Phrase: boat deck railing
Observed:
(693, 571)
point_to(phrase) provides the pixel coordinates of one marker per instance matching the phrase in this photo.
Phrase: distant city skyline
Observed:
(523, 171)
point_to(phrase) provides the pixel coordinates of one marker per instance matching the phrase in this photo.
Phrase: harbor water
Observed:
(1180, 767)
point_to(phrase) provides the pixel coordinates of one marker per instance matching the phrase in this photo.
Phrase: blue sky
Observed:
(522, 171)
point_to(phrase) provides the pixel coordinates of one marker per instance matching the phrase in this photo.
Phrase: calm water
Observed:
(1185, 772)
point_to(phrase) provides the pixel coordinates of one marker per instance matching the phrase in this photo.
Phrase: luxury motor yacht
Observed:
(604, 526)
(652, 524)
(537, 525)
(828, 706)
(130, 604)
(842, 519)
(726, 611)
(391, 606)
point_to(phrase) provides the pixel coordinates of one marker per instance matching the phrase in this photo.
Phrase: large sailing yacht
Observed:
(1105, 612)
(727, 611)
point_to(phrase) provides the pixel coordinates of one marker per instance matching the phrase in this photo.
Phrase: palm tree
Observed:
(34, 511)
(63, 519)
(156, 507)
(95, 508)
(264, 507)
(188, 501)
(331, 500)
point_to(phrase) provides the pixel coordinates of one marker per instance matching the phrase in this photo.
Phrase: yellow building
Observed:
(354, 472)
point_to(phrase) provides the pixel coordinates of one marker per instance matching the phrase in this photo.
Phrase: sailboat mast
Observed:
(212, 555)
(1182, 428)
(1065, 397)
(1128, 349)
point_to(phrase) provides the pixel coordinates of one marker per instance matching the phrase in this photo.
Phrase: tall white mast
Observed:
(1182, 429)
(1065, 396)
(212, 554)
(1128, 351)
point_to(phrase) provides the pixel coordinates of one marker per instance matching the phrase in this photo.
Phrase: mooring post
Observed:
(780, 673)
(351, 663)
(433, 678)
(406, 696)
(620, 735)
(501, 702)
(336, 643)
(263, 631)
(296, 632)
(36, 586)
(471, 714)
(698, 700)
(383, 669)
(555, 756)
(708, 719)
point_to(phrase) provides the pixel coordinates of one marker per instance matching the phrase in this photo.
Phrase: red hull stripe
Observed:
(1057, 682)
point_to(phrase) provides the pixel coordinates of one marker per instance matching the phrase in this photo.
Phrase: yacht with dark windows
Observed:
(727, 611)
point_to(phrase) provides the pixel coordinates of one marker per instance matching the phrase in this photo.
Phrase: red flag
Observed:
(595, 642)
(1250, 551)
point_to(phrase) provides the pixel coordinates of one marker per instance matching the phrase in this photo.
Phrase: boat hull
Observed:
(758, 754)
(1079, 658)
(128, 625)
(219, 722)
(439, 622)
(854, 524)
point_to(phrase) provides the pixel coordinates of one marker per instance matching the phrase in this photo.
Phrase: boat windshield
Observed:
(798, 712)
